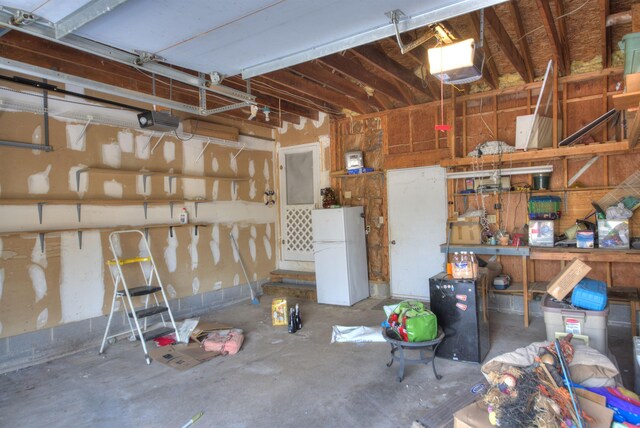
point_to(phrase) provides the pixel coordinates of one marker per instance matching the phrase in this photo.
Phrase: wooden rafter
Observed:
(552, 33)
(292, 95)
(489, 71)
(605, 33)
(389, 67)
(323, 75)
(356, 71)
(522, 40)
(421, 58)
(506, 44)
(562, 34)
(308, 87)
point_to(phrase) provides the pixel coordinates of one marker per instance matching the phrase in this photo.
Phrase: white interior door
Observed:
(300, 191)
(417, 203)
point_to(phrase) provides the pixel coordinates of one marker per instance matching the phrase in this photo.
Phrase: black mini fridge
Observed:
(455, 302)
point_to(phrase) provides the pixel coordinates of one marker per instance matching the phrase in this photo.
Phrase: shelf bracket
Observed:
(78, 172)
(146, 234)
(195, 205)
(40, 205)
(239, 151)
(153, 133)
(171, 231)
(171, 208)
(79, 211)
(145, 206)
(203, 149)
(80, 239)
(41, 238)
(196, 230)
(158, 142)
(171, 178)
(84, 130)
(144, 182)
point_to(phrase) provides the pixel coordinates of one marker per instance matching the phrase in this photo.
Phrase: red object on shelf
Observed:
(443, 128)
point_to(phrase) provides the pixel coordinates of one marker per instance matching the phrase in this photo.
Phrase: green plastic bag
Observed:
(413, 322)
(421, 326)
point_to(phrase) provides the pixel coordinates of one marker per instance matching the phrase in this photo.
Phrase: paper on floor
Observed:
(357, 334)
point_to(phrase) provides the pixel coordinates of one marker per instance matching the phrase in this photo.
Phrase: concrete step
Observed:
(283, 289)
(293, 277)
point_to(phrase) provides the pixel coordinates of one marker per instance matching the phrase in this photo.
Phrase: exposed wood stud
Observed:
(554, 108)
(506, 44)
(552, 33)
(635, 18)
(561, 25)
(605, 33)
(522, 40)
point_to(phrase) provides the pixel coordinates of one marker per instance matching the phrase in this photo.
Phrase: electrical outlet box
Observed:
(380, 220)
(492, 219)
(347, 195)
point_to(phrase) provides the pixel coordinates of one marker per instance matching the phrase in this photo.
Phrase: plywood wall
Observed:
(59, 282)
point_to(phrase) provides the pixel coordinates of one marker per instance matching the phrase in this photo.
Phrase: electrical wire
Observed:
(41, 4)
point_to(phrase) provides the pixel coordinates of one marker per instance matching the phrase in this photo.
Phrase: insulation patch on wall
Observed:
(125, 140)
(113, 189)
(170, 252)
(169, 151)
(252, 168)
(43, 318)
(111, 155)
(233, 163)
(143, 148)
(214, 164)
(76, 137)
(81, 276)
(195, 285)
(193, 249)
(215, 189)
(215, 243)
(39, 182)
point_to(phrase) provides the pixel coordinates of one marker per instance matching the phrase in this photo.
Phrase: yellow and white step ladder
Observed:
(151, 287)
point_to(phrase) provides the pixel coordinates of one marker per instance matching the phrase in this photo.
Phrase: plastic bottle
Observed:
(465, 270)
(184, 216)
(298, 318)
(474, 265)
(456, 265)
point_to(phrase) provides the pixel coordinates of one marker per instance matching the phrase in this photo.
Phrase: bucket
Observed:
(541, 181)
(630, 44)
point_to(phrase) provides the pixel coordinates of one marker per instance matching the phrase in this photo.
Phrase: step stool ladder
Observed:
(152, 287)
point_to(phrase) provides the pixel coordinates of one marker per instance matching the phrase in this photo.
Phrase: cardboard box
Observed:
(466, 232)
(566, 280)
(541, 233)
(475, 414)
(202, 330)
(208, 129)
(541, 136)
(182, 357)
(279, 312)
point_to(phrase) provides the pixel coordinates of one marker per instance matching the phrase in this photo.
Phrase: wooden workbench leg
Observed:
(485, 288)
(525, 290)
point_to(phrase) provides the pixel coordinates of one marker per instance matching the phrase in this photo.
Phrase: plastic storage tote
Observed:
(563, 318)
(590, 294)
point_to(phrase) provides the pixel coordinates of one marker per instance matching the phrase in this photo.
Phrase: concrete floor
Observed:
(277, 379)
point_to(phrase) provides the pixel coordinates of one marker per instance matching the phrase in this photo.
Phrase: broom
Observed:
(254, 299)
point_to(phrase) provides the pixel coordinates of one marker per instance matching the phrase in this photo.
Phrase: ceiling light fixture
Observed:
(266, 110)
(502, 172)
(458, 63)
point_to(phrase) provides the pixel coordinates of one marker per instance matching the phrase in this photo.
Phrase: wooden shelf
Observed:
(517, 289)
(342, 174)
(147, 174)
(499, 250)
(106, 202)
(609, 147)
(80, 230)
(539, 192)
(614, 255)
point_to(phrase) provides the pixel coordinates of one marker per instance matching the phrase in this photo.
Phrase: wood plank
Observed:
(324, 76)
(607, 147)
(605, 33)
(635, 18)
(634, 131)
(506, 44)
(586, 255)
(415, 159)
(552, 34)
(522, 40)
(389, 67)
(308, 87)
(356, 71)
(209, 129)
(626, 100)
(561, 25)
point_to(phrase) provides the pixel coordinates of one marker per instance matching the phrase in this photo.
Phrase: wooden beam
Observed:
(389, 67)
(533, 155)
(561, 25)
(522, 40)
(420, 56)
(552, 33)
(356, 71)
(634, 131)
(626, 100)
(286, 93)
(635, 18)
(324, 76)
(506, 44)
(605, 33)
(489, 71)
(291, 80)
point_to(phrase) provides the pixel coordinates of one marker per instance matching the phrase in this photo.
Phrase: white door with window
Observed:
(417, 204)
(299, 190)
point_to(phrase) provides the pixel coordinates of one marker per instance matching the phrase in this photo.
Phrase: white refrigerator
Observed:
(340, 254)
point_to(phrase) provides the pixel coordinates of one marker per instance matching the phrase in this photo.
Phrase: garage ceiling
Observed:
(240, 36)
(302, 56)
